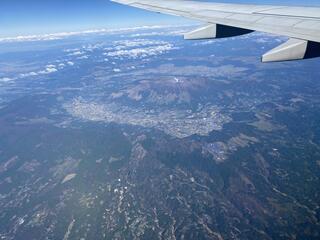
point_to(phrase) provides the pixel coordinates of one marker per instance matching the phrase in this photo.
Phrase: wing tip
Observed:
(126, 2)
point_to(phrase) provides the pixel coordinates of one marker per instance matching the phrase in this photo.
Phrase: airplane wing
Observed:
(300, 24)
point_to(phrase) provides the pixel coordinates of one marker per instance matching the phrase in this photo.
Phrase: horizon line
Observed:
(62, 35)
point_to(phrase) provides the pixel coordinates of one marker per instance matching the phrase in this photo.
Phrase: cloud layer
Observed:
(62, 35)
(138, 48)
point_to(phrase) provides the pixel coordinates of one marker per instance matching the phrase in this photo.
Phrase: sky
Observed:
(27, 17)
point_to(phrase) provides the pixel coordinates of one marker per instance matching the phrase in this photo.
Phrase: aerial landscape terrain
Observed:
(137, 134)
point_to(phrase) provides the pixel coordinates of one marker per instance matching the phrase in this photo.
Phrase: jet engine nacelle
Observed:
(215, 31)
(293, 49)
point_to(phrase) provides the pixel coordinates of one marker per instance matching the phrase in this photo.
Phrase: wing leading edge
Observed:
(300, 24)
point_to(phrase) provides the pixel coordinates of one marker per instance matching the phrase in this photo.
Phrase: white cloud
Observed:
(116, 70)
(62, 35)
(123, 44)
(137, 48)
(77, 53)
(48, 37)
(51, 70)
(6, 79)
(30, 74)
(141, 52)
(47, 69)
(71, 50)
(205, 42)
(51, 66)
(83, 57)
(161, 33)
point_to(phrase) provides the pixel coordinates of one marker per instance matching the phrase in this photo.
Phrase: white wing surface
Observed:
(300, 24)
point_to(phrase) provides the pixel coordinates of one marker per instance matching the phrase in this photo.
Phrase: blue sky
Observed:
(25, 17)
